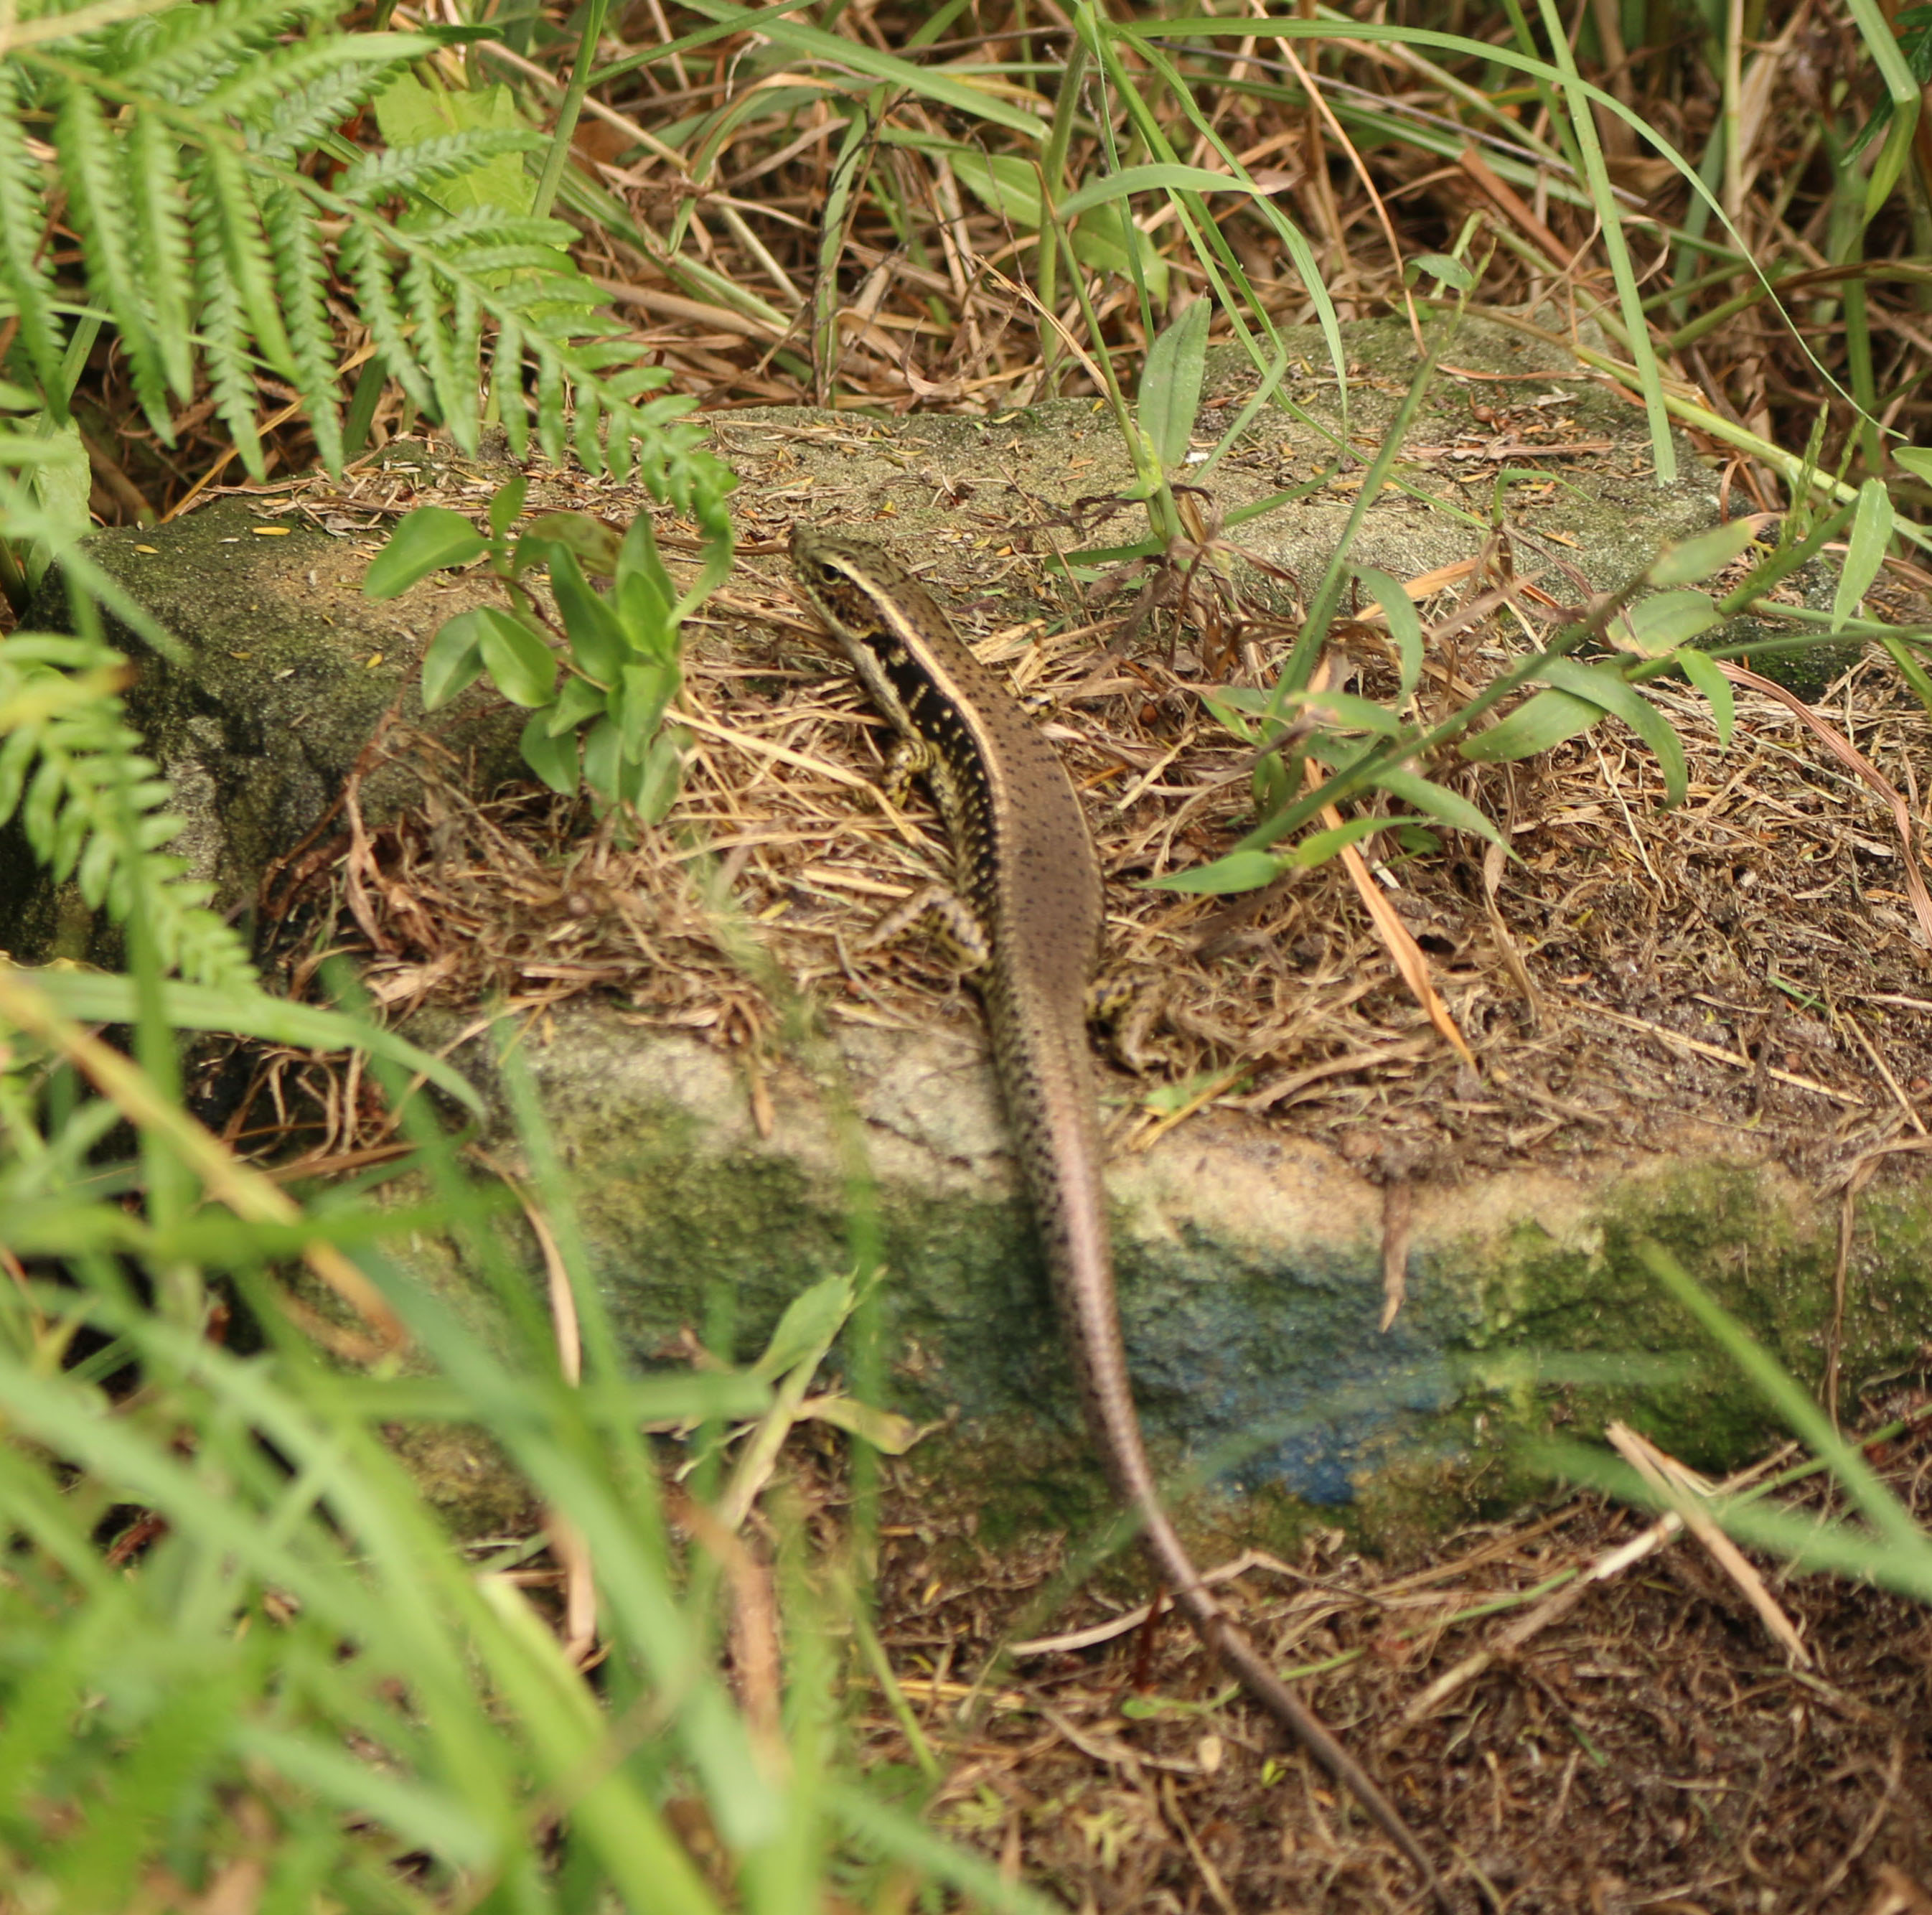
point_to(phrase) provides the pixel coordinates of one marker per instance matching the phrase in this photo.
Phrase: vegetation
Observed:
(240, 1664)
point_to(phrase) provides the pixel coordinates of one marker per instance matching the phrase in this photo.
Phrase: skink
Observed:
(1028, 878)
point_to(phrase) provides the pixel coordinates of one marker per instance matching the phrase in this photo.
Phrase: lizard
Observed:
(1029, 883)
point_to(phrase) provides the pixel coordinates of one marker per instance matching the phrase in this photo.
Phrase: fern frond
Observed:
(90, 164)
(362, 256)
(95, 809)
(23, 218)
(551, 400)
(183, 54)
(225, 353)
(159, 202)
(228, 227)
(288, 99)
(506, 386)
(456, 407)
(406, 170)
(301, 276)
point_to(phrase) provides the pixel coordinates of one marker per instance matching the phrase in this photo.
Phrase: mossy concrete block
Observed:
(1251, 1272)
(278, 675)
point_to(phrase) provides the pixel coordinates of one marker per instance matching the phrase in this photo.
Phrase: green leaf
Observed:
(505, 503)
(885, 1429)
(409, 113)
(1916, 460)
(430, 538)
(1436, 801)
(520, 665)
(1346, 712)
(811, 1320)
(1239, 871)
(1440, 266)
(645, 690)
(554, 758)
(1170, 387)
(62, 482)
(1097, 243)
(1697, 558)
(577, 702)
(1007, 184)
(664, 770)
(1702, 670)
(1318, 847)
(454, 662)
(1865, 553)
(594, 544)
(1608, 686)
(597, 640)
(1655, 626)
(1405, 627)
(603, 759)
(1535, 725)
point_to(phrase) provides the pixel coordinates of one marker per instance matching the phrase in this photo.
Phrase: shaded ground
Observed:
(1640, 1743)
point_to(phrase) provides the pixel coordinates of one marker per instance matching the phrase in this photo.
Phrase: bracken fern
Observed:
(93, 806)
(180, 142)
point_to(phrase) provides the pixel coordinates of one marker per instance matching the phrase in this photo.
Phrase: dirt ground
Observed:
(1635, 1743)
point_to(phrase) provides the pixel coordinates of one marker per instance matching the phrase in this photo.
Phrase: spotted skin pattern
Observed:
(1027, 872)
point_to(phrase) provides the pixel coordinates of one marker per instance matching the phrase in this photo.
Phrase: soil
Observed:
(1637, 1742)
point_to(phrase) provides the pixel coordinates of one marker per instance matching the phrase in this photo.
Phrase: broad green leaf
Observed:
(579, 701)
(1347, 713)
(1003, 182)
(644, 691)
(1170, 387)
(1916, 460)
(554, 758)
(1657, 625)
(1702, 670)
(1318, 847)
(1097, 243)
(811, 1320)
(1437, 803)
(522, 667)
(1535, 725)
(1239, 871)
(1865, 553)
(1404, 628)
(454, 662)
(644, 595)
(1697, 558)
(597, 642)
(664, 769)
(430, 538)
(603, 759)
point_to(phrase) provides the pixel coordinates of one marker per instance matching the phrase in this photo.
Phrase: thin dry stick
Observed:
(1552, 1609)
(1685, 1491)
